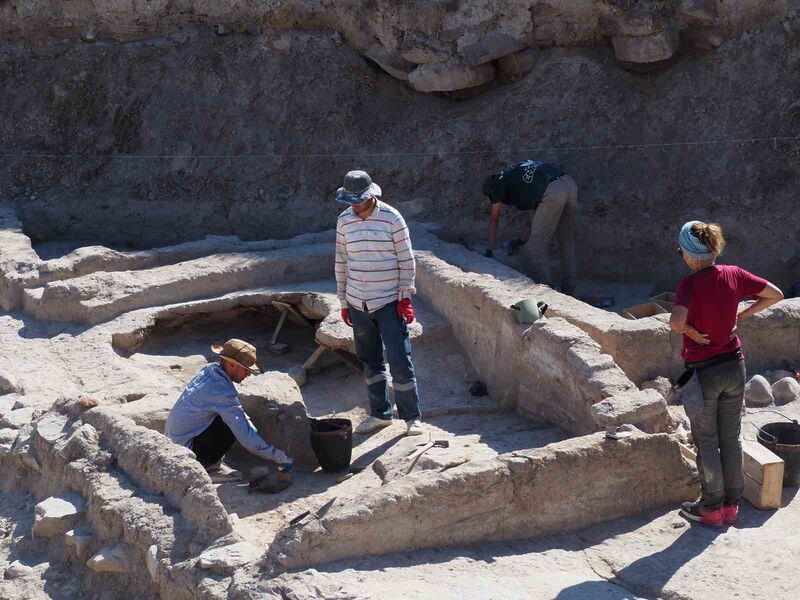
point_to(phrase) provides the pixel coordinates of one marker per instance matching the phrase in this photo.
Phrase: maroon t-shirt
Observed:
(712, 296)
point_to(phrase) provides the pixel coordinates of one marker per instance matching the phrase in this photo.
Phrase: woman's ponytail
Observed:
(711, 235)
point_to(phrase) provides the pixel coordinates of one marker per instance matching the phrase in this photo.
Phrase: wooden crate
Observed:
(763, 476)
(642, 311)
(664, 297)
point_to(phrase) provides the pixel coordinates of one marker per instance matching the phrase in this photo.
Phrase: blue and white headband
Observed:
(691, 245)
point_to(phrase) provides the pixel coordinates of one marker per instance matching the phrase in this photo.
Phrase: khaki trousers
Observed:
(554, 216)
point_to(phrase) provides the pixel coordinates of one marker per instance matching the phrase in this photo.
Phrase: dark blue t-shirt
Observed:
(522, 185)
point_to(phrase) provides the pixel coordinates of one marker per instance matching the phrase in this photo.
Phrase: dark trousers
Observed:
(372, 332)
(715, 430)
(211, 445)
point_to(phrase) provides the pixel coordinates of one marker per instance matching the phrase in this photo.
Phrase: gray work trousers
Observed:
(555, 215)
(716, 427)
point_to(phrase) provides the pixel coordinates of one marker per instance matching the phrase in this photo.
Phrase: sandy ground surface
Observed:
(655, 555)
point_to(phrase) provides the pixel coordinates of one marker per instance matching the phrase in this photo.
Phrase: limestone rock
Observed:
(449, 77)
(8, 383)
(421, 49)
(57, 515)
(82, 443)
(51, 428)
(699, 11)
(7, 403)
(79, 540)
(652, 48)
(16, 419)
(490, 47)
(111, 560)
(7, 437)
(660, 384)
(275, 405)
(16, 570)
(786, 390)
(635, 25)
(227, 559)
(758, 392)
(518, 63)
(391, 61)
(151, 558)
(646, 409)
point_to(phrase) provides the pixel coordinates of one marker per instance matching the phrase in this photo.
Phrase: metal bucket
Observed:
(784, 440)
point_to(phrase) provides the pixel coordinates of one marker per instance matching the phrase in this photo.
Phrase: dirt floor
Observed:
(475, 427)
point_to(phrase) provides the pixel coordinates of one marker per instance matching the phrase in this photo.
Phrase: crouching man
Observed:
(208, 417)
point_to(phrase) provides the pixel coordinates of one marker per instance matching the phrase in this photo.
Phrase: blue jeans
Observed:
(372, 331)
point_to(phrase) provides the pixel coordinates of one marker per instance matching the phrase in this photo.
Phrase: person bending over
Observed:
(208, 416)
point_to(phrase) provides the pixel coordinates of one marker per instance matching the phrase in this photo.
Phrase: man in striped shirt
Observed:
(375, 281)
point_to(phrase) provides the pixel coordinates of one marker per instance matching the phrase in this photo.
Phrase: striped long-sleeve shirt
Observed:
(374, 260)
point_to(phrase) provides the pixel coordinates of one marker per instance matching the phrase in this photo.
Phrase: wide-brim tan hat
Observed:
(238, 352)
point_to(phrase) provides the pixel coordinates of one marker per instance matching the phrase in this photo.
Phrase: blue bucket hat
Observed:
(691, 245)
(358, 187)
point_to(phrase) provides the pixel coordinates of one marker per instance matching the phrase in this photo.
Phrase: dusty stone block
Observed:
(420, 49)
(518, 63)
(227, 559)
(50, 428)
(15, 419)
(57, 515)
(275, 405)
(699, 11)
(7, 403)
(646, 48)
(448, 77)
(8, 383)
(391, 61)
(82, 443)
(758, 392)
(7, 437)
(16, 570)
(151, 559)
(786, 390)
(660, 384)
(79, 539)
(111, 559)
(647, 410)
(635, 25)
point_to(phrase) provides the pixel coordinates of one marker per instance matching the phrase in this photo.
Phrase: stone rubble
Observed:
(758, 392)
(57, 515)
(786, 390)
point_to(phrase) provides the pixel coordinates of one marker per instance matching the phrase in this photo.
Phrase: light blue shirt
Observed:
(209, 394)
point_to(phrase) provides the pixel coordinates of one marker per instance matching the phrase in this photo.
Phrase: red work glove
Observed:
(404, 309)
(346, 317)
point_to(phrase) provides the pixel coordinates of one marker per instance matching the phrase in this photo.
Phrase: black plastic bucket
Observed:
(332, 442)
(784, 440)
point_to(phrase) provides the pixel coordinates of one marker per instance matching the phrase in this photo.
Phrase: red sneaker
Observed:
(730, 514)
(695, 512)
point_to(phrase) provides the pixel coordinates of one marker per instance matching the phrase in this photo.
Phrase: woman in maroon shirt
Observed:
(706, 313)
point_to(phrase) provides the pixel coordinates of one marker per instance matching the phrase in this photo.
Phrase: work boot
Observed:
(414, 427)
(695, 511)
(371, 424)
(220, 472)
(730, 512)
